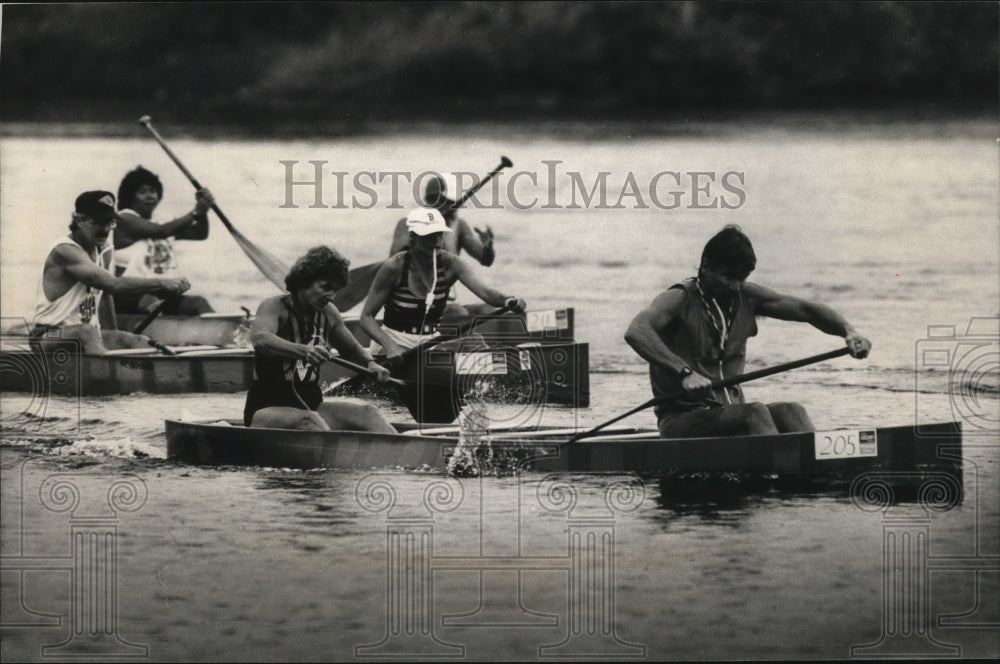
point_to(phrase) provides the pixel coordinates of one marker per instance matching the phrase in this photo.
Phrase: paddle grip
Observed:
(146, 122)
(504, 163)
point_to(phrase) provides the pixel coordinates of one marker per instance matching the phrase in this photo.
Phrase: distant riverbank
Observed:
(928, 122)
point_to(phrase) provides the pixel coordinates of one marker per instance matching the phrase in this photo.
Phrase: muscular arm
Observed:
(786, 307)
(75, 263)
(643, 333)
(474, 245)
(264, 332)
(461, 270)
(132, 228)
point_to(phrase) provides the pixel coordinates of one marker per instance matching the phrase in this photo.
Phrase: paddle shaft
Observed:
(362, 370)
(459, 331)
(151, 316)
(504, 163)
(716, 384)
(147, 122)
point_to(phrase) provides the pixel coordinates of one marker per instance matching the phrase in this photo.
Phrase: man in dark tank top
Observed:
(696, 331)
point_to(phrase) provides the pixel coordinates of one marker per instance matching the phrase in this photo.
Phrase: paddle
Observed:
(151, 316)
(361, 278)
(504, 163)
(426, 403)
(733, 380)
(272, 267)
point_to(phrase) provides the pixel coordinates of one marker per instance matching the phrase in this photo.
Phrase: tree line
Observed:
(292, 61)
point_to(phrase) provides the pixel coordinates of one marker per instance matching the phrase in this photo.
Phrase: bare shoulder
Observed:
(271, 306)
(67, 253)
(757, 293)
(669, 300)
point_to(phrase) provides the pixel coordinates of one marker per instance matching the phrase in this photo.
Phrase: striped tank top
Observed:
(405, 311)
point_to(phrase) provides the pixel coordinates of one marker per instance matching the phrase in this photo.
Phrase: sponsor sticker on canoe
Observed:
(553, 319)
(486, 363)
(845, 444)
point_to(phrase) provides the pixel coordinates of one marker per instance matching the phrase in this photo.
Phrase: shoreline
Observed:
(596, 129)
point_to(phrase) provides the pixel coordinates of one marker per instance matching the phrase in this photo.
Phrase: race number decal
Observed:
(481, 364)
(844, 444)
(554, 319)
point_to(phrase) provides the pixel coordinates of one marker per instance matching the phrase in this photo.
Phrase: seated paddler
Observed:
(696, 332)
(78, 272)
(292, 336)
(412, 286)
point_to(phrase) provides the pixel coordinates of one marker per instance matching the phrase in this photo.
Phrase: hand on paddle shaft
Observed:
(733, 380)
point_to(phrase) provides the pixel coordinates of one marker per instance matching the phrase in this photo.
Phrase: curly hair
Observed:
(730, 248)
(131, 183)
(318, 263)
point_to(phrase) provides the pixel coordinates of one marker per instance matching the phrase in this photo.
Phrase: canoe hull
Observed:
(545, 373)
(543, 326)
(900, 449)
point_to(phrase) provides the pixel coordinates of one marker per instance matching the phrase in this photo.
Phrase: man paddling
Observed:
(442, 194)
(144, 247)
(292, 335)
(696, 332)
(78, 271)
(413, 286)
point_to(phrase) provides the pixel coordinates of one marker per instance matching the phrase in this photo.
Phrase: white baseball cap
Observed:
(424, 221)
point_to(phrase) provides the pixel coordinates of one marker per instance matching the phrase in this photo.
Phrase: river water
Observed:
(896, 226)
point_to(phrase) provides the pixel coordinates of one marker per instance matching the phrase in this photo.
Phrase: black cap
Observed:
(97, 204)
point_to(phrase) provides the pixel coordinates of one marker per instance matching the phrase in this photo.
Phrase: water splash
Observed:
(119, 448)
(475, 455)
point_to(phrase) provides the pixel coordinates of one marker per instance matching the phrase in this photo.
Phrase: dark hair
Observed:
(318, 263)
(131, 183)
(730, 248)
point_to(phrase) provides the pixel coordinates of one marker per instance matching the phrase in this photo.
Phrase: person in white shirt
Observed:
(145, 248)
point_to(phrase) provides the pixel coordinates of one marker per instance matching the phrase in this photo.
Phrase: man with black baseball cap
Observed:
(78, 270)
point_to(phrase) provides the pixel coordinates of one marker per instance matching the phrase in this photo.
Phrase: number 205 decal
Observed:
(844, 444)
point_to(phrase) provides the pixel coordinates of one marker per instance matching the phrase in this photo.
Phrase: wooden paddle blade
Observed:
(357, 289)
(270, 265)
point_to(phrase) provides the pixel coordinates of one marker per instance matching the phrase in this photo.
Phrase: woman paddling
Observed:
(291, 336)
(413, 287)
(145, 248)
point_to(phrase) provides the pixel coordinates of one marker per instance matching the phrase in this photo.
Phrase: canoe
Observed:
(897, 448)
(550, 373)
(222, 329)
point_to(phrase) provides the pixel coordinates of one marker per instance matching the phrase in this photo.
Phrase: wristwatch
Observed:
(685, 372)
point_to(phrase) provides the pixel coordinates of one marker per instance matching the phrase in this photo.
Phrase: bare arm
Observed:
(644, 336)
(74, 262)
(643, 333)
(265, 339)
(478, 244)
(191, 226)
(820, 316)
(388, 274)
(485, 293)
